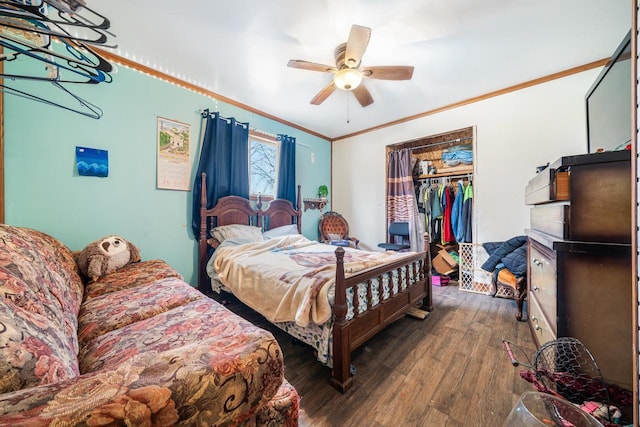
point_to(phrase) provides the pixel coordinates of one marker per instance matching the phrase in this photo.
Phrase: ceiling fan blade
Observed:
(362, 95)
(323, 94)
(389, 72)
(306, 65)
(356, 45)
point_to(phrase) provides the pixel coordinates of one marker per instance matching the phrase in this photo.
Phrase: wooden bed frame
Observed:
(347, 334)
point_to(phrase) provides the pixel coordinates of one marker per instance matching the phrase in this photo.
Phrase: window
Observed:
(263, 165)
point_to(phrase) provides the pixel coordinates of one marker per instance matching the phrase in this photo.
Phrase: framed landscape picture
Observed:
(174, 142)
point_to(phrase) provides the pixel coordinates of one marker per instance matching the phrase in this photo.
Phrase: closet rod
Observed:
(271, 135)
(468, 176)
(443, 142)
(204, 113)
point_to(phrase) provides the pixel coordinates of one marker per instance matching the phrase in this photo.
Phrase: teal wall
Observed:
(44, 191)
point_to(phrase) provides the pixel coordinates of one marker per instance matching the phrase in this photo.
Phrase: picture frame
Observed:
(173, 154)
(92, 162)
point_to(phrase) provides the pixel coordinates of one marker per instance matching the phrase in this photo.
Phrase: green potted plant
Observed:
(323, 192)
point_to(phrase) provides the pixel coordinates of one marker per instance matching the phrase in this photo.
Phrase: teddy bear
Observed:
(106, 255)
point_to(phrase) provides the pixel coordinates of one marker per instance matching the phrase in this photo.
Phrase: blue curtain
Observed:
(287, 169)
(225, 159)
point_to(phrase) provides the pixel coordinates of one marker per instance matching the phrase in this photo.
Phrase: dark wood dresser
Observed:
(579, 260)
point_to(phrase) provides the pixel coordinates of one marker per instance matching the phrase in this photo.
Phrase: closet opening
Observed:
(442, 178)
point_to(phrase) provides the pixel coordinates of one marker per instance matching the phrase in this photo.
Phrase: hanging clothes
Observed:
(443, 206)
(447, 230)
(436, 214)
(426, 203)
(467, 205)
(456, 212)
(420, 190)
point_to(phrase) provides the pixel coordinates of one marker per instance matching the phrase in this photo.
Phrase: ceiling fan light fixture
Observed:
(347, 78)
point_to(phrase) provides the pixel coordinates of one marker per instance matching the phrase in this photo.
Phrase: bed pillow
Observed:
(237, 231)
(285, 230)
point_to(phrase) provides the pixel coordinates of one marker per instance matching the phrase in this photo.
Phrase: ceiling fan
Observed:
(347, 72)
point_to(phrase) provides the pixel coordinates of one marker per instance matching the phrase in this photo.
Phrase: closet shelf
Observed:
(458, 170)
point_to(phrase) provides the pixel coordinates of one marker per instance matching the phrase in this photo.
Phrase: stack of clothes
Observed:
(459, 154)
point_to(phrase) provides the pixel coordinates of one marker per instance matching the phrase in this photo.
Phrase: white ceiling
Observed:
(460, 49)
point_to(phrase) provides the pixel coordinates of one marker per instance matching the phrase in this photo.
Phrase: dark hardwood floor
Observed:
(450, 369)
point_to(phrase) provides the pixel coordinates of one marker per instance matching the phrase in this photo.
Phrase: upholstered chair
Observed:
(333, 229)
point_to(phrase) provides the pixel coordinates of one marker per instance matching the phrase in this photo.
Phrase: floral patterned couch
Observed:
(137, 347)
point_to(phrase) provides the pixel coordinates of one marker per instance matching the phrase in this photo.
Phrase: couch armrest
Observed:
(183, 385)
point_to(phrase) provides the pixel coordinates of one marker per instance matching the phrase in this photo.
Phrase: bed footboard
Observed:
(351, 334)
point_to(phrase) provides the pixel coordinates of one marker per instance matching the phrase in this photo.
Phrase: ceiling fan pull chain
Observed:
(347, 109)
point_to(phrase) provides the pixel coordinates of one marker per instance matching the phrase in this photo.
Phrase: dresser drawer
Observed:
(547, 186)
(552, 219)
(540, 327)
(542, 280)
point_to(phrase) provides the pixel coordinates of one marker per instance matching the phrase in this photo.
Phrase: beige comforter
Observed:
(288, 278)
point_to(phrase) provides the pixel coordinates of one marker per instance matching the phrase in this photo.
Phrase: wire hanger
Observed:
(28, 40)
(68, 17)
(23, 25)
(70, 11)
(90, 110)
(85, 69)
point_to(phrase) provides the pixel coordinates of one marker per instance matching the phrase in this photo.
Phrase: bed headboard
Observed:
(238, 210)
(280, 212)
(231, 210)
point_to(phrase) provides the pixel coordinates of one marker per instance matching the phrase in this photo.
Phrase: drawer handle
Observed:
(534, 319)
(535, 289)
(537, 327)
(537, 262)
